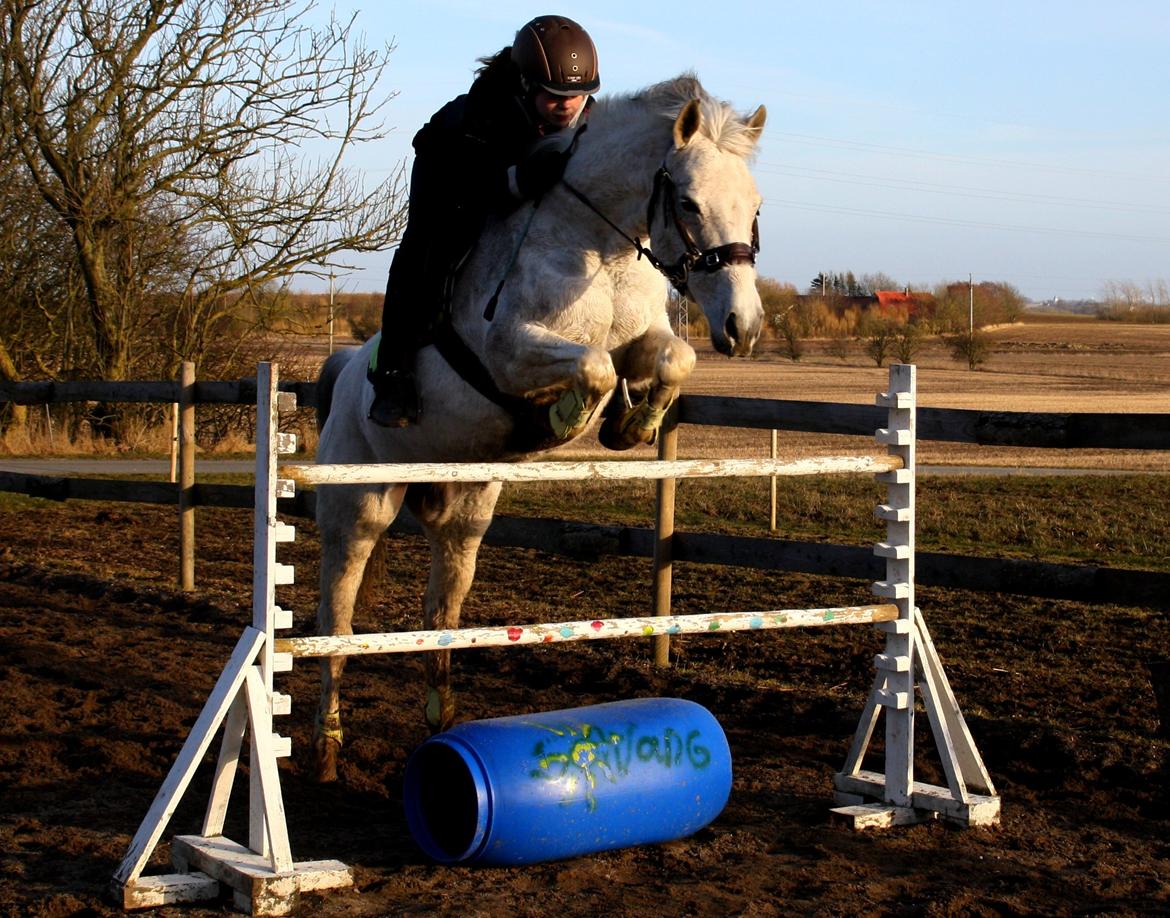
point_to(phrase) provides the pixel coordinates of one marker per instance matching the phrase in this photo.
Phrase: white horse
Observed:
(581, 307)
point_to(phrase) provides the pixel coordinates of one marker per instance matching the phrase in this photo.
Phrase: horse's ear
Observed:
(686, 125)
(755, 122)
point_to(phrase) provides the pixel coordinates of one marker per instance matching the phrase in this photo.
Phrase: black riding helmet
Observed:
(557, 55)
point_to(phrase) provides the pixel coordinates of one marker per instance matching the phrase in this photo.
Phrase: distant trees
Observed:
(847, 284)
(995, 303)
(840, 307)
(166, 166)
(1131, 302)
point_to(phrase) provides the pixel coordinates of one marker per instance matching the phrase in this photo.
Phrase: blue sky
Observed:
(1025, 141)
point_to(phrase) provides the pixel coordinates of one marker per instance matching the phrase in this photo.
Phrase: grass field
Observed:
(1069, 365)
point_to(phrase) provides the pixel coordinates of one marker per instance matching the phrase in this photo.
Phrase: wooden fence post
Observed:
(187, 476)
(772, 515)
(664, 533)
(174, 442)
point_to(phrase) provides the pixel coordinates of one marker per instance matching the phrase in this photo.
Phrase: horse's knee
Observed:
(595, 375)
(675, 363)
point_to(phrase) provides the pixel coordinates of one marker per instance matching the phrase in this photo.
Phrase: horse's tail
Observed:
(327, 379)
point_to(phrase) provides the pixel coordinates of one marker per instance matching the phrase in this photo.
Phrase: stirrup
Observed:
(396, 402)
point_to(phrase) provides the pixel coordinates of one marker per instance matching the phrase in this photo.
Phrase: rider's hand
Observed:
(537, 173)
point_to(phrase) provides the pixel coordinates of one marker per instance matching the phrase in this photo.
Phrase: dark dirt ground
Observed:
(104, 668)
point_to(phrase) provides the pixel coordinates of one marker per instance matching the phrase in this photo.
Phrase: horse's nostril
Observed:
(731, 328)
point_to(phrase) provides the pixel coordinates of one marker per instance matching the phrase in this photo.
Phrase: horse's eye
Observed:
(689, 206)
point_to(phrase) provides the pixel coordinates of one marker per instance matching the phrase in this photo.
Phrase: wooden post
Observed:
(174, 442)
(187, 476)
(772, 455)
(664, 533)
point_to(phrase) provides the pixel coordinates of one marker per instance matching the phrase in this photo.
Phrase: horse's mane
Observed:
(720, 123)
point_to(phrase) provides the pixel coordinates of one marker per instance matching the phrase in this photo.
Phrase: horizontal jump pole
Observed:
(352, 645)
(428, 472)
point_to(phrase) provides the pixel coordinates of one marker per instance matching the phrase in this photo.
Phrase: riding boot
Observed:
(396, 399)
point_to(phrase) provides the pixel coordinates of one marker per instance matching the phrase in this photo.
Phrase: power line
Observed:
(947, 221)
(877, 181)
(814, 140)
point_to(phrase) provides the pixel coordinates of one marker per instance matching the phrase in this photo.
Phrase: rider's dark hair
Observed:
(499, 64)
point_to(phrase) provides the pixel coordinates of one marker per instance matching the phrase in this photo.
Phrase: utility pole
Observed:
(330, 312)
(971, 304)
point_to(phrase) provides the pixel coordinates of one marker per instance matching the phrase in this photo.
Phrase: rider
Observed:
(478, 155)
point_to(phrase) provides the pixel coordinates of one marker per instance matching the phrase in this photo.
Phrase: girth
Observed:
(531, 430)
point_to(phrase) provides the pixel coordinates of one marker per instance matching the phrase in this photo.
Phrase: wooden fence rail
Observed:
(206, 392)
(1056, 430)
(1036, 429)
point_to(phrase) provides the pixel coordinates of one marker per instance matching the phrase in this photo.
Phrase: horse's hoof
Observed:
(609, 437)
(613, 435)
(328, 751)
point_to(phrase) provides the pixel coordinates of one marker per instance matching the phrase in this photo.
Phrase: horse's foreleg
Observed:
(666, 361)
(455, 518)
(351, 520)
(570, 378)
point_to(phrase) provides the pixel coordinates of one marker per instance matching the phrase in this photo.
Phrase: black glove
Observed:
(541, 170)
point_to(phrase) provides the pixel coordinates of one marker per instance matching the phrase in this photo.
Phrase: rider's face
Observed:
(557, 111)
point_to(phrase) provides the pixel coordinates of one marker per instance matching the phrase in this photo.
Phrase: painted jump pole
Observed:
(265, 878)
(354, 645)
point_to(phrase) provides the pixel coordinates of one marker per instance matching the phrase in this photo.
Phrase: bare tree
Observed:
(194, 150)
(880, 336)
(908, 342)
(872, 283)
(973, 348)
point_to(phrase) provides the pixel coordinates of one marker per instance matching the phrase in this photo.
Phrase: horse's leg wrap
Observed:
(328, 726)
(636, 425)
(568, 415)
(440, 709)
(642, 422)
(327, 739)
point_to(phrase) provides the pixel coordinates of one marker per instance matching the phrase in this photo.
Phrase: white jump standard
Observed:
(265, 878)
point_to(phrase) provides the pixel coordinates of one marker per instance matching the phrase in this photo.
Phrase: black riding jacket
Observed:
(460, 177)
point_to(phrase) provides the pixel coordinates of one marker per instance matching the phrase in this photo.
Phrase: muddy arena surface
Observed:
(105, 668)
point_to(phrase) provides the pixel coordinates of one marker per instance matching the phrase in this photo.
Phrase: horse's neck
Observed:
(614, 167)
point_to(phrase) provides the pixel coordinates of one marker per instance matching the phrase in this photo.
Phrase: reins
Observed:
(635, 242)
(704, 261)
(693, 258)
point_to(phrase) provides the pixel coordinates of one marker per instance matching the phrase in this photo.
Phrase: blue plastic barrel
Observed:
(538, 787)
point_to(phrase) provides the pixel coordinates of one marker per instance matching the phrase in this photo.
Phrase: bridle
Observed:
(693, 259)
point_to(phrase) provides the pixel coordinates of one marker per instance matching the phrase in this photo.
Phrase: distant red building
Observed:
(897, 304)
(905, 304)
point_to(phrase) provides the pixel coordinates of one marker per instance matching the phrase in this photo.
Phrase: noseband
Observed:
(693, 258)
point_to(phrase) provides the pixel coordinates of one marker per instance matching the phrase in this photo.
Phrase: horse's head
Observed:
(702, 219)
